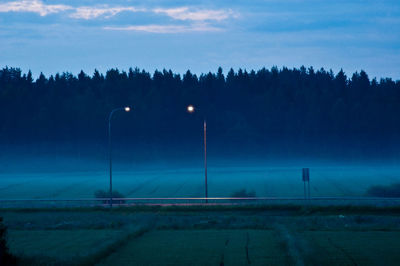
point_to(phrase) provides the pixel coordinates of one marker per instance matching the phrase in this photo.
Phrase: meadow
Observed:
(279, 234)
(215, 235)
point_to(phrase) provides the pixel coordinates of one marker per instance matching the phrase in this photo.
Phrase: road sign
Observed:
(306, 174)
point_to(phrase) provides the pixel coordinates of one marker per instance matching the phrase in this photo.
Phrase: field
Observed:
(201, 247)
(205, 236)
(258, 247)
(326, 181)
(52, 243)
(282, 234)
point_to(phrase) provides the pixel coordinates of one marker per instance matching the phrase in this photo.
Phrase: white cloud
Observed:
(87, 12)
(201, 17)
(184, 13)
(34, 6)
(167, 28)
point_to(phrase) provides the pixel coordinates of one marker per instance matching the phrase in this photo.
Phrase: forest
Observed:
(297, 110)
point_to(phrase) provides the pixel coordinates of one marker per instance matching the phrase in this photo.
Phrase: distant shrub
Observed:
(5, 257)
(390, 191)
(243, 193)
(101, 194)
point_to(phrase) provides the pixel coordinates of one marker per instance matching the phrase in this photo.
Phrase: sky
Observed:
(70, 35)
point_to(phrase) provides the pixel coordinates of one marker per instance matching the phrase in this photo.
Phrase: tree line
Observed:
(263, 107)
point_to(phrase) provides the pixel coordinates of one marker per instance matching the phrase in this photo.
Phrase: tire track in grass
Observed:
(347, 254)
(58, 192)
(339, 187)
(290, 246)
(175, 193)
(27, 182)
(104, 253)
(141, 185)
(317, 250)
(222, 262)
(247, 248)
(154, 190)
(309, 250)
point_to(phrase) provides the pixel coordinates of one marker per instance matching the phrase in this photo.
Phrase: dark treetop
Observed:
(274, 108)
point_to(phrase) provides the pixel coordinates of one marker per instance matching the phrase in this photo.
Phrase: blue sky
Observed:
(70, 35)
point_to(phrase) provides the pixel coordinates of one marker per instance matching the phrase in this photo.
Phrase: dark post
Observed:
(127, 109)
(190, 109)
(306, 178)
(110, 154)
(205, 157)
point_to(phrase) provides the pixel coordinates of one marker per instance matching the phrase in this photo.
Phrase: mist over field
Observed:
(168, 173)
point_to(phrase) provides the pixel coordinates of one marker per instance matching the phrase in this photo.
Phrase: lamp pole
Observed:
(205, 156)
(126, 109)
(191, 109)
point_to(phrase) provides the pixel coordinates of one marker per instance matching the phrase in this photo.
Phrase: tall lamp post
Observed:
(126, 109)
(191, 109)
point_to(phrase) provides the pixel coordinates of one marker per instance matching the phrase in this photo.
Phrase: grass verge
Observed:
(290, 208)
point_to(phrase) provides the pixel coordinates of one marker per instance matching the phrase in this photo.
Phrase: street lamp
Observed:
(126, 109)
(191, 109)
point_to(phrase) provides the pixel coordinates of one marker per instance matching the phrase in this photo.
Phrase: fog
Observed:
(61, 176)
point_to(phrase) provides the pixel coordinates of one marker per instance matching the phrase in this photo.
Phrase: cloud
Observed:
(87, 12)
(167, 28)
(82, 12)
(200, 21)
(33, 6)
(92, 12)
(184, 13)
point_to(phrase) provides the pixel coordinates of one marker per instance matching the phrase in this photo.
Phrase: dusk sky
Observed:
(70, 35)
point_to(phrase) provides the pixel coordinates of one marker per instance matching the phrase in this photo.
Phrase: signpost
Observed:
(306, 178)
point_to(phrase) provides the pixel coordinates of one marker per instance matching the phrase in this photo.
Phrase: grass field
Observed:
(201, 247)
(354, 248)
(215, 235)
(62, 245)
(259, 247)
(265, 181)
(205, 236)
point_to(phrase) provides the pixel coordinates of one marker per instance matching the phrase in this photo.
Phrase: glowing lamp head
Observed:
(127, 109)
(190, 108)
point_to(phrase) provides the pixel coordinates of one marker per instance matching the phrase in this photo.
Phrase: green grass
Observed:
(206, 247)
(295, 208)
(353, 248)
(201, 235)
(68, 246)
(259, 247)
(200, 247)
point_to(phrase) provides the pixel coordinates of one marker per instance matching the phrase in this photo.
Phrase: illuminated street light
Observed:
(191, 109)
(126, 109)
